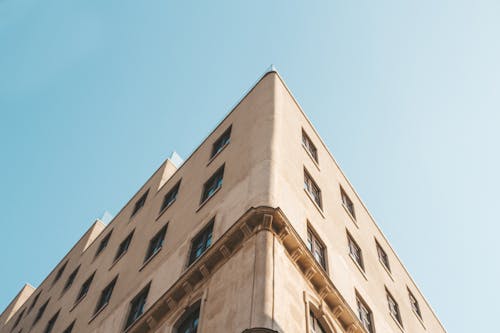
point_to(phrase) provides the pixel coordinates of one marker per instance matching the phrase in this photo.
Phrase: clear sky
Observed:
(95, 94)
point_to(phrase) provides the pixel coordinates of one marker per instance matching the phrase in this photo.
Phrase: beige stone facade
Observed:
(257, 231)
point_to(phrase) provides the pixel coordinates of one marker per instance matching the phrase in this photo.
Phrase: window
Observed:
(71, 279)
(414, 304)
(221, 142)
(104, 242)
(346, 201)
(170, 197)
(137, 306)
(201, 242)
(156, 243)
(123, 247)
(51, 323)
(382, 256)
(311, 188)
(84, 289)
(314, 324)
(139, 203)
(365, 315)
(69, 329)
(40, 312)
(316, 247)
(393, 308)
(34, 302)
(59, 273)
(212, 184)
(355, 251)
(105, 296)
(18, 319)
(310, 147)
(189, 322)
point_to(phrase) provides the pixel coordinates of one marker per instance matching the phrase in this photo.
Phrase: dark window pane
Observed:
(384, 259)
(104, 242)
(170, 197)
(189, 324)
(106, 295)
(313, 189)
(201, 243)
(137, 306)
(71, 279)
(310, 147)
(355, 251)
(212, 184)
(60, 272)
(139, 203)
(51, 323)
(40, 312)
(85, 287)
(365, 315)
(156, 243)
(221, 142)
(346, 201)
(123, 247)
(316, 247)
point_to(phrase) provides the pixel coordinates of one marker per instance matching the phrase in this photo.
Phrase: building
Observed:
(257, 231)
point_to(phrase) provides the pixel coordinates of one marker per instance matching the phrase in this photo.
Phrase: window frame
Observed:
(103, 244)
(164, 204)
(225, 138)
(208, 187)
(120, 252)
(310, 147)
(100, 305)
(361, 304)
(71, 279)
(156, 243)
(80, 296)
(52, 322)
(381, 255)
(351, 243)
(205, 237)
(139, 203)
(393, 306)
(416, 310)
(316, 242)
(313, 321)
(144, 293)
(310, 182)
(347, 203)
(192, 313)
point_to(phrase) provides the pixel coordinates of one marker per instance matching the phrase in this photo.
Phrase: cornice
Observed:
(259, 219)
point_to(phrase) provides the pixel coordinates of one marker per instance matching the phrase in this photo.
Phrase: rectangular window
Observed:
(71, 279)
(382, 256)
(310, 147)
(188, 323)
(170, 197)
(313, 189)
(393, 308)
(69, 329)
(365, 315)
(221, 142)
(414, 304)
(156, 243)
(355, 251)
(34, 302)
(51, 323)
(137, 306)
(84, 289)
(123, 247)
(346, 201)
(104, 242)
(316, 247)
(59, 273)
(201, 243)
(212, 184)
(18, 319)
(105, 296)
(139, 203)
(314, 324)
(40, 312)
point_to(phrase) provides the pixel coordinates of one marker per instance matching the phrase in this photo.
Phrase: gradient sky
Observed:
(95, 94)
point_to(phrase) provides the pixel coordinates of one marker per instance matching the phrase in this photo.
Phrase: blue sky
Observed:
(94, 95)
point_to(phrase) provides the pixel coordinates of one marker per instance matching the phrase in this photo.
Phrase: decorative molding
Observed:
(254, 220)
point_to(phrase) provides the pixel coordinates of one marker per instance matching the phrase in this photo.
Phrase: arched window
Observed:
(188, 323)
